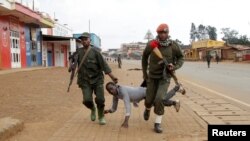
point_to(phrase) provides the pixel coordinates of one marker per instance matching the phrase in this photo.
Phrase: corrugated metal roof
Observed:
(239, 47)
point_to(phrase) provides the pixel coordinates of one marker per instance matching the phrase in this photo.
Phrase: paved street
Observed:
(230, 79)
(227, 78)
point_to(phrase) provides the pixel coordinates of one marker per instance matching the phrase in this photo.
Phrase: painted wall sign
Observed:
(4, 39)
(14, 24)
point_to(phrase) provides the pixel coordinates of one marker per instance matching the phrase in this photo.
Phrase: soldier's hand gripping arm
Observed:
(114, 79)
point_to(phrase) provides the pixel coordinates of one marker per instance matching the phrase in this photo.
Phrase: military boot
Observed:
(93, 114)
(101, 118)
(158, 128)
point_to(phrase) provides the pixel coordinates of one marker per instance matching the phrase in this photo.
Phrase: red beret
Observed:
(162, 28)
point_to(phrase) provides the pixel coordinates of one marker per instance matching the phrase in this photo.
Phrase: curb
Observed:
(9, 127)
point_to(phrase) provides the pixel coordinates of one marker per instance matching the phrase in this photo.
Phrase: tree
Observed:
(211, 32)
(192, 33)
(230, 36)
(202, 33)
(178, 42)
(243, 40)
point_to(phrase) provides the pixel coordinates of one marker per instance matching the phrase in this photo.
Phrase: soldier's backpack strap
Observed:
(83, 58)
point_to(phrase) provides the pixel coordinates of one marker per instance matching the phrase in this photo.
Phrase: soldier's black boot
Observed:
(146, 114)
(158, 128)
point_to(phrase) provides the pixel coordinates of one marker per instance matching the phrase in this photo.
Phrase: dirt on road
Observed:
(39, 98)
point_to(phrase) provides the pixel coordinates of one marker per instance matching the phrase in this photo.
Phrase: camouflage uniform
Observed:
(91, 78)
(157, 84)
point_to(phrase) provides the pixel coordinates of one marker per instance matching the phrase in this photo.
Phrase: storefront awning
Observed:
(56, 38)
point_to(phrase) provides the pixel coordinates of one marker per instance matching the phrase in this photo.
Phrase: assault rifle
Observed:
(72, 69)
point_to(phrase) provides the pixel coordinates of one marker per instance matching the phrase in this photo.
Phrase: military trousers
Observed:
(88, 90)
(155, 93)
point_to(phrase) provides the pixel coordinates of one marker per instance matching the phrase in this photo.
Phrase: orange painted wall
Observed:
(64, 47)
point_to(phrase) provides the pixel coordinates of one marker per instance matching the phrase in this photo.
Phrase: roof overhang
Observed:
(26, 15)
(4, 9)
(56, 38)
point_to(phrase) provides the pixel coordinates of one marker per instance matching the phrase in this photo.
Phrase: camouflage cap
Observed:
(84, 35)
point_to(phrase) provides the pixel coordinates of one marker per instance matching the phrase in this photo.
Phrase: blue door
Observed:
(49, 58)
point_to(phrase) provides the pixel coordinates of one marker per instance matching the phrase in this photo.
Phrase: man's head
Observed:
(162, 31)
(85, 39)
(111, 87)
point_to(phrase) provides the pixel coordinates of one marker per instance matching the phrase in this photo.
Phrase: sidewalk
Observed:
(215, 109)
(182, 126)
(8, 71)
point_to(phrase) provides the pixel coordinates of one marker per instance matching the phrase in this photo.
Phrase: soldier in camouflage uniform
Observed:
(91, 78)
(157, 82)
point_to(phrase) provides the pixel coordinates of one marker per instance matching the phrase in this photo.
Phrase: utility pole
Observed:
(33, 5)
(89, 25)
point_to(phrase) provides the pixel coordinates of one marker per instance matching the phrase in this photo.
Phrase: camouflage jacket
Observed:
(172, 53)
(92, 68)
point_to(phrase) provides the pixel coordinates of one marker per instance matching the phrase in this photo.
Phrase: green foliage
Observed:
(192, 32)
(211, 32)
(232, 36)
(179, 42)
(202, 32)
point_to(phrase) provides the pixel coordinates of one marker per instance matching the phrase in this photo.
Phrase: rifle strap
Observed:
(83, 59)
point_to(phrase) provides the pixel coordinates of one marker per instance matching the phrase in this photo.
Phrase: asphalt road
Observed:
(226, 78)
(229, 79)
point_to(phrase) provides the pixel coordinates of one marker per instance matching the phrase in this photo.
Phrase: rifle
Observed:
(72, 75)
(166, 70)
(72, 69)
